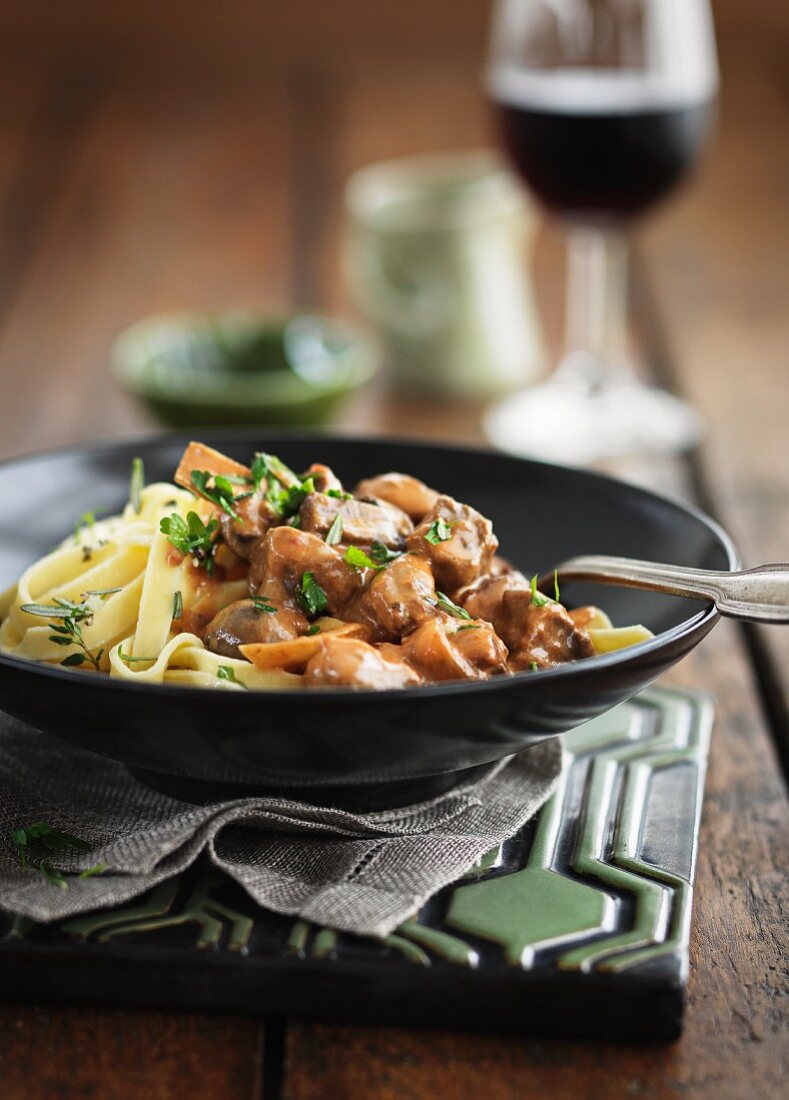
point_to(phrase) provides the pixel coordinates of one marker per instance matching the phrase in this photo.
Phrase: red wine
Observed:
(602, 157)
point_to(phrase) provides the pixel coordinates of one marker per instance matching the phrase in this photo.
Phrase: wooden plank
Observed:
(734, 1038)
(244, 30)
(177, 200)
(126, 237)
(717, 261)
(81, 1052)
(739, 935)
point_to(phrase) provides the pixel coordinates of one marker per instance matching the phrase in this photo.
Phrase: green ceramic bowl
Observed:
(241, 368)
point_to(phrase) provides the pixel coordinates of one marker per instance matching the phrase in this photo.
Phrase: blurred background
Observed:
(192, 155)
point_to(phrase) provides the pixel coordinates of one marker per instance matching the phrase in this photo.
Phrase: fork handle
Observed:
(759, 595)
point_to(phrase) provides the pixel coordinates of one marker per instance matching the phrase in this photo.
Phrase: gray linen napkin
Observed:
(357, 872)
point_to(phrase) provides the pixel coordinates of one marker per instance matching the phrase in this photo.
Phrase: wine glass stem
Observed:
(595, 337)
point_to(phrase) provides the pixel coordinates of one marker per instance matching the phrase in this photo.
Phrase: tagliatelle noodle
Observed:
(186, 655)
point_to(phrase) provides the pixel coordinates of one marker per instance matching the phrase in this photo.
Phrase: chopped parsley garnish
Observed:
(537, 598)
(314, 629)
(259, 470)
(136, 484)
(439, 531)
(286, 502)
(192, 537)
(451, 608)
(311, 597)
(358, 559)
(382, 554)
(263, 605)
(225, 672)
(534, 666)
(96, 869)
(86, 523)
(378, 557)
(51, 874)
(178, 605)
(339, 494)
(36, 839)
(215, 488)
(277, 468)
(334, 534)
(69, 631)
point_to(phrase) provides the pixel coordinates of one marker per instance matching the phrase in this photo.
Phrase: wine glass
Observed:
(603, 105)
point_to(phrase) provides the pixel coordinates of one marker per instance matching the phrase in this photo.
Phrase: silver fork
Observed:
(759, 595)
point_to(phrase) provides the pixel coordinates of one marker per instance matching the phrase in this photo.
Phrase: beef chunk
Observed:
(255, 518)
(241, 623)
(443, 648)
(396, 600)
(283, 557)
(362, 523)
(407, 493)
(468, 551)
(347, 662)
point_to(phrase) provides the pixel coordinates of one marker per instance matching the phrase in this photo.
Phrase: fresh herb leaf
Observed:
(215, 488)
(96, 869)
(279, 470)
(311, 597)
(102, 593)
(534, 666)
(86, 523)
(537, 598)
(178, 604)
(53, 839)
(556, 585)
(439, 531)
(69, 631)
(136, 484)
(30, 840)
(286, 502)
(451, 608)
(468, 626)
(51, 874)
(382, 554)
(263, 605)
(339, 494)
(334, 534)
(62, 610)
(192, 537)
(260, 470)
(226, 672)
(314, 629)
(73, 659)
(134, 660)
(358, 559)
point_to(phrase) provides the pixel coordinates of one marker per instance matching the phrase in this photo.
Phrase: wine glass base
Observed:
(566, 421)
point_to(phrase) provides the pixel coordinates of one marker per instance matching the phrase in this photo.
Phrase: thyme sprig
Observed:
(36, 839)
(68, 632)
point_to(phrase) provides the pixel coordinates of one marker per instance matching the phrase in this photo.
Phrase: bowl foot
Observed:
(358, 799)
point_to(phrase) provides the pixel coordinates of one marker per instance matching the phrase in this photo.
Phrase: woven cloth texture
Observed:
(357, 872)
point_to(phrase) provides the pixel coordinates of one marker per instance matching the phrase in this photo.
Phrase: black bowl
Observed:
(336, 737)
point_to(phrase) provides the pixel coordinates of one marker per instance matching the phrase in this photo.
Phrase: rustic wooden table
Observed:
(195, 158)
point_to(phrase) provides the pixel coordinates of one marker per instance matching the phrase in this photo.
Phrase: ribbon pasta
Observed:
(123, 571)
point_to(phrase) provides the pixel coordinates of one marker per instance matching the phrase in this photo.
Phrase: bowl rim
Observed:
(707, 616)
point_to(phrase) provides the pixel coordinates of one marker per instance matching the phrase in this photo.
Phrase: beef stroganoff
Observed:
(256, 577)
